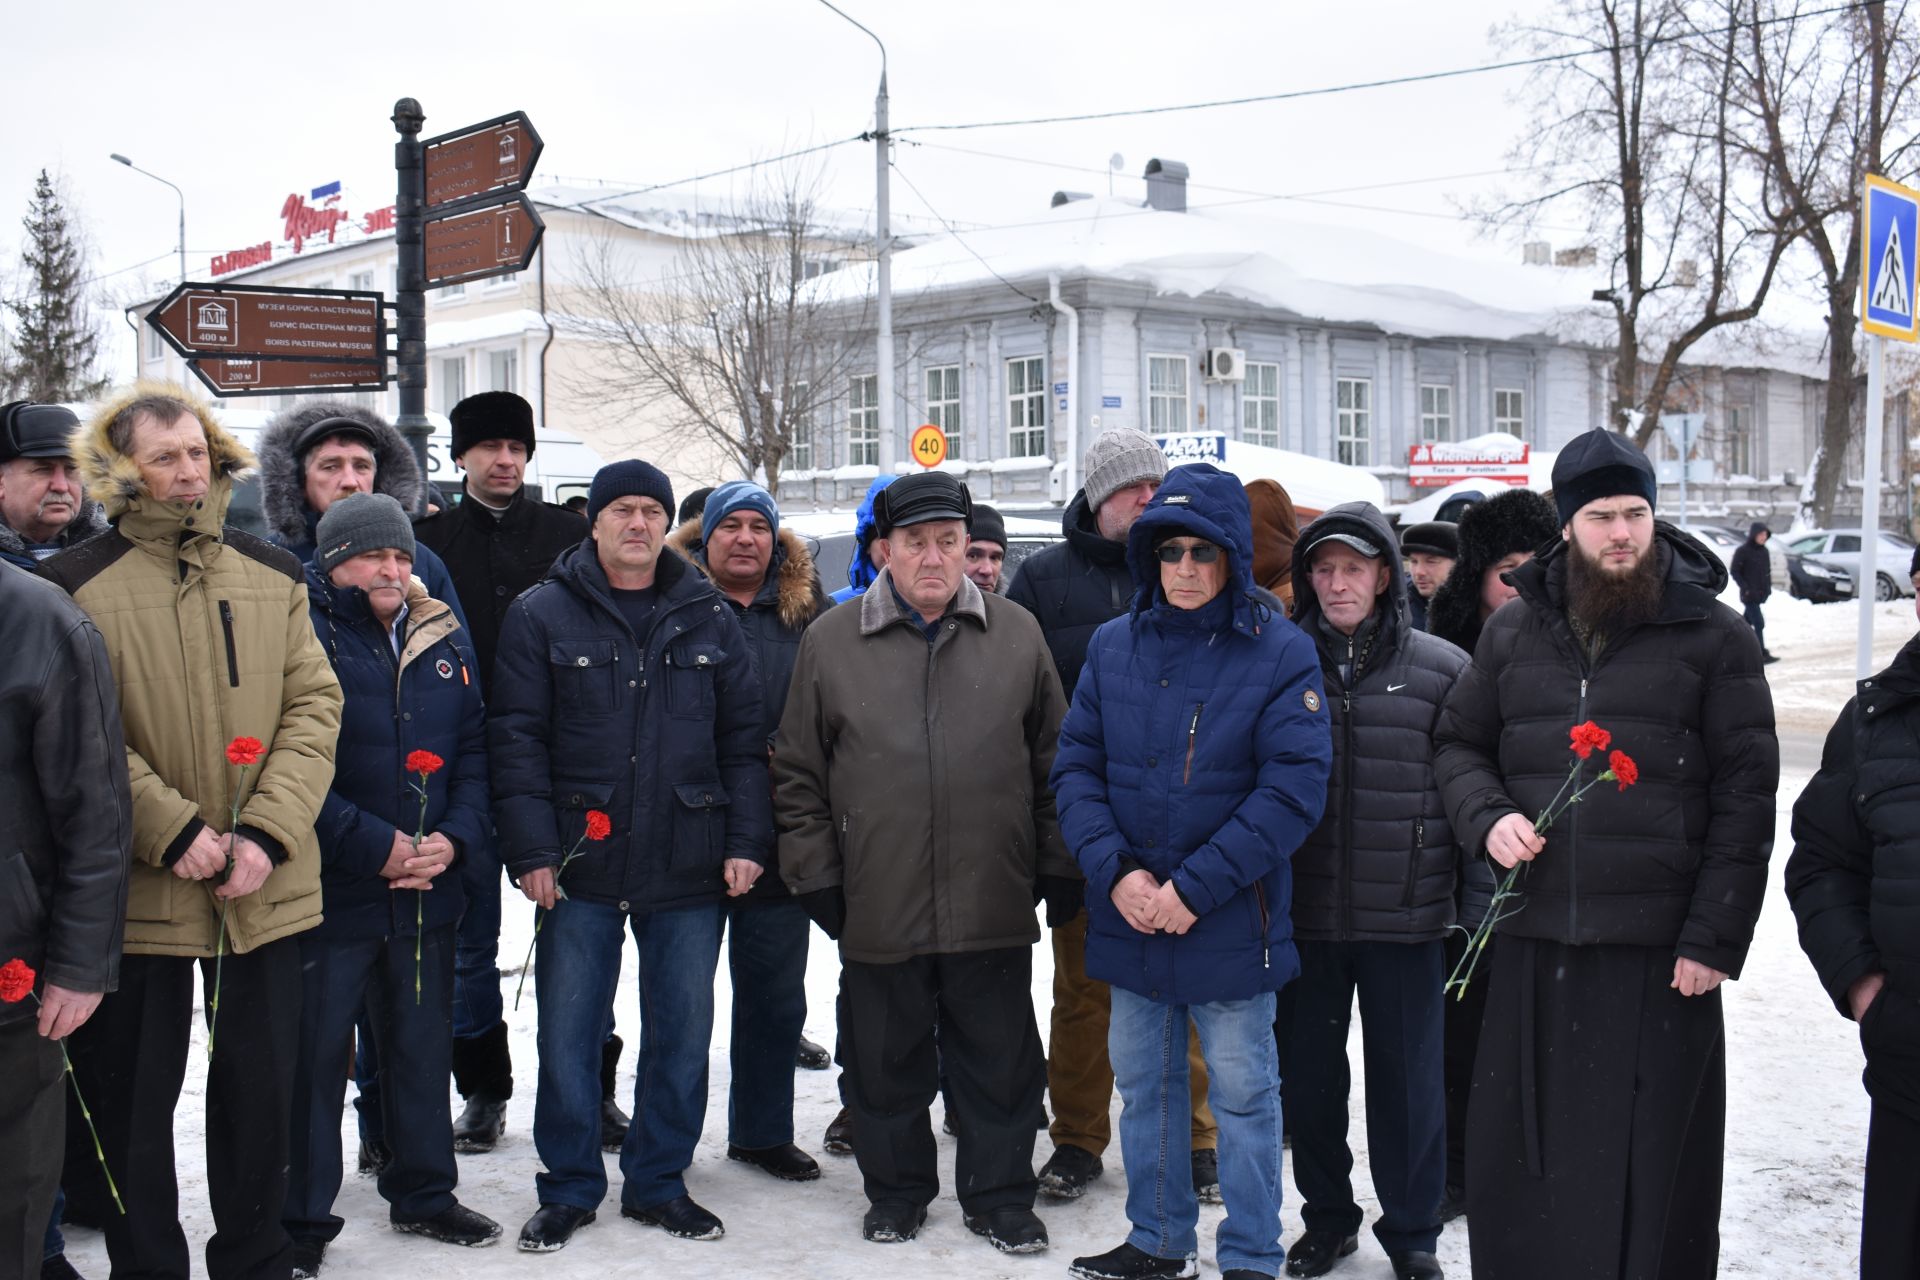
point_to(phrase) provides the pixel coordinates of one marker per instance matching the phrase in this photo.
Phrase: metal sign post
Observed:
(409, 212)
(1887, 310)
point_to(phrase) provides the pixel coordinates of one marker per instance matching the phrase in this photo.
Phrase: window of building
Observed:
(1436, 411)
(1027, 407)
(361, 280)
(1166, 394)
(445, 292)
(156, 345)
(1509, 411)
(1260, 405)
(800, 451)
(943, 404)
(503, 371)
(1353, 421)
(507, 281)
(863, 427)
(1740, 441)
(453, 382)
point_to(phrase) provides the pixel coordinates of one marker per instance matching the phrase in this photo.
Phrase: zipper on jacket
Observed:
(1193, 734)
(1260, 900)
(1413, 863)
(233, 654)
(1573, 835)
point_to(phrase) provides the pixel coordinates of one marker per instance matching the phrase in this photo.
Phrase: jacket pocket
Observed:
(690, 671)
(22, 915)
(584, 675)
(699, 827)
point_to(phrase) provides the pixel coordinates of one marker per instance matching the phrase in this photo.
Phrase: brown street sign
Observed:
(261, 322)
(483, 159)
(276, 377)
(478, 243)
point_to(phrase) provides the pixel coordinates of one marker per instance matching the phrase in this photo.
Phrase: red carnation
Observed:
(599, 825)
(16, 981)
(1589, 738)
(423, 762)
(244, 751)
(1621, 765)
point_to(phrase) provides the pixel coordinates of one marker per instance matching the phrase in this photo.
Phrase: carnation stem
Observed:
(219, 963)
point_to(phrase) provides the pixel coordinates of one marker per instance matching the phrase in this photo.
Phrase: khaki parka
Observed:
(209, 637)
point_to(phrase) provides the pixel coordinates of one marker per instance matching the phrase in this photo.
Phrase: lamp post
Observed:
(883, 244)
(183, 208)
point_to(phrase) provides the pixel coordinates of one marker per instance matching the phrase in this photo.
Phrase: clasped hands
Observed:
(414, 867)
(207, 857)
(1150, 906)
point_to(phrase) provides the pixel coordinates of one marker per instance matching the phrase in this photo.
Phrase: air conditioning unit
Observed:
(1226, 364)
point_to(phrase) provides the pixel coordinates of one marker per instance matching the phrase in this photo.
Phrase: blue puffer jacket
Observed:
(1197, 748)
(860, 570)
(426, 699)
(661, 732)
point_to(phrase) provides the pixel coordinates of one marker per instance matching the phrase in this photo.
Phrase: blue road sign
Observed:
(1887, 280)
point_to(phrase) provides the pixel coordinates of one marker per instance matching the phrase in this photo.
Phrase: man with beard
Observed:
(43, 507)
(1596, 1130)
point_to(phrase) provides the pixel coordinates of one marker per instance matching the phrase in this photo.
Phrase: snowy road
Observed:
(1796, 1124)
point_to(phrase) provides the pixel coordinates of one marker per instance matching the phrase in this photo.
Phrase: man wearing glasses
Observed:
(43, 507)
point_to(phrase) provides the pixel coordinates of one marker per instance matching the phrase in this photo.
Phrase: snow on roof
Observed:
(685, 214)
(505, 324)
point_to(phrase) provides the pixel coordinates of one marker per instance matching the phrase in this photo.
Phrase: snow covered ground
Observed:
(1796, 1123)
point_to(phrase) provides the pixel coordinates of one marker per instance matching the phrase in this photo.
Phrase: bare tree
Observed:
(1832, 97)
(1636, 133)
(739, 345)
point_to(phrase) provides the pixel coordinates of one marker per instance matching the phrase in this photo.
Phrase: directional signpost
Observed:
(483, 242)
(491, 158)
(1891, 214)
(260, 340)
(278, 377)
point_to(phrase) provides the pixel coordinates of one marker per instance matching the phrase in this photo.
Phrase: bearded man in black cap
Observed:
(496, 542)
(1596, 1130)
(918, 829)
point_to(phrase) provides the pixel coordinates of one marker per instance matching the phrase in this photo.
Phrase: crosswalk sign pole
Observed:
(1866, 582)
(1891, 217)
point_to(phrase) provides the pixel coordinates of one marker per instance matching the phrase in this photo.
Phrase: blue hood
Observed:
(860, 572)
(1201, 501)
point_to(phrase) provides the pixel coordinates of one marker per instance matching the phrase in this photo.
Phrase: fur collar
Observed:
(283, 486)
(89, 522)
(797, 587)
(112, 478)
(879, 609)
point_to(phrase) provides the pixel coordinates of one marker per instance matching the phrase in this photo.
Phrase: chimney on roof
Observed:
(1167, 186)
(1068, 197)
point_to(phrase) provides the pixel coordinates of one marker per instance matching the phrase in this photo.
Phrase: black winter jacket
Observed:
(66, 817)
(1854, 877)
(493, 559)
(1678, 861)
(662, 732)
(1073, 587)
(1752, 572)
(1380, 865)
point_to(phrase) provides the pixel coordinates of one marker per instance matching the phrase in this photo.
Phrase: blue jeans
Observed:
(1147, 1044)
(476, 950)
(575, 963)
(767, 957)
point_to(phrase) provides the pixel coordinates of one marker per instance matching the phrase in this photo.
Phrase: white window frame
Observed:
(863, 420)
(450, 292)
(800, 447)
(1168, 396)
(1353, 421)
(156, 345)
(1740, 440)
(943, 403)
(1510, 411)
(512, 358)
(1027, 407)
(1260, 404)
(452, 381)
(1436, 412)
(361, 281)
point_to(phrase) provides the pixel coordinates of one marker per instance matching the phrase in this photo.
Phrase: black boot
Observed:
(483, 1072)
(613, 1121)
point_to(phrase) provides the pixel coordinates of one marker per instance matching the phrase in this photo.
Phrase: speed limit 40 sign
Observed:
(928, 446)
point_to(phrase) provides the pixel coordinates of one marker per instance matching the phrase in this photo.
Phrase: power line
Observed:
(1326, 90)
(721, 173)
(959, 240)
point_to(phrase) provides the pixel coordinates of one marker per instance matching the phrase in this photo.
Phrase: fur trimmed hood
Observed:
(113, 479)
(283, 487)
(797, 586)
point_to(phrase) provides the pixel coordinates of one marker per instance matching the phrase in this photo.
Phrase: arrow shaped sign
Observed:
(473, 244)
(489, 158)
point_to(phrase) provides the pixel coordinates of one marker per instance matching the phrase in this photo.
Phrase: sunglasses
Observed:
(1174, 553)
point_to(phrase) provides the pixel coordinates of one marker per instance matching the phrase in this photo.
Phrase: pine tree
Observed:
(53, 345)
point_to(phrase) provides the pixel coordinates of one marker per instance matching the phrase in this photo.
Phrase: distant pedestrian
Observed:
(1430, 549)
(987, 549)
(1752, 571)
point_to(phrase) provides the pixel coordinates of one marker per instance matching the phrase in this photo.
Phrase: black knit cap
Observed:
(1434, 537)
(1600, 464)
(629, 478)
(987, 526)
(931, 495)
(493, 415)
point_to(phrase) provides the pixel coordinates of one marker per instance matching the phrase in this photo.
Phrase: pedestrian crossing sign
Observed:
(1892, 216)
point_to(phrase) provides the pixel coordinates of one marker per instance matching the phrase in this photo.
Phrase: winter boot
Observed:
(483, 1072)
(1067, 1173)
(613, 1121)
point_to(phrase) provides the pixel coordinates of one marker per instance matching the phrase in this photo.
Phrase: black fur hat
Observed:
(491, 415)
(1517, 520)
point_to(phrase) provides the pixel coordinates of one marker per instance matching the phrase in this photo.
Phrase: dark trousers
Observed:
(1758, 621)
(767, 960)
(1890, 1221)
(990, 1046)
(1462, 1014)
(416, 1049)
(131, 1059)
(1399, 985)
(32, 1121)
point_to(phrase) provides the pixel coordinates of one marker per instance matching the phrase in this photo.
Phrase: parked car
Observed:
(1724, 540)
(1814, 579)
(1842, 547)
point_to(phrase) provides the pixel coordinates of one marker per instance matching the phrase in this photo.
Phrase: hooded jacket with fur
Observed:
(208, 634)
(1518, 520)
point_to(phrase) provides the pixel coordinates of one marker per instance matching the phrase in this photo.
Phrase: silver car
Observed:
(1842, 547)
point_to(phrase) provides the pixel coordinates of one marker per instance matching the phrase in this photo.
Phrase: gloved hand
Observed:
(826, 908)
(1064, 896)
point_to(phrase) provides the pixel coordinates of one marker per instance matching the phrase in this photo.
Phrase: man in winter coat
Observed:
(1852, 880)
(1596, 1129)
(496, 542)
(867, 560)
(766, 576)
(1753, 573)
(1430, 549)
(917, 827)
(66, 824)
(624, 688)
(1073, 587)
(207, 632)
(406, 671)
(987, 549)
(43, 506)
(1192, 765)
(1372, 900)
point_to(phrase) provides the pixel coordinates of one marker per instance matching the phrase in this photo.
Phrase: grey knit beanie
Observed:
(1120, 457)
(359, 523)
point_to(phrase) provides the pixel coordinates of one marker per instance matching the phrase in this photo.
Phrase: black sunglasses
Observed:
(1174, 553)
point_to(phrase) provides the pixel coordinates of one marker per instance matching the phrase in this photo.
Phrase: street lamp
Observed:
(183, 209)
